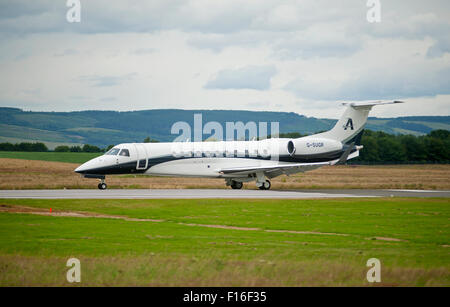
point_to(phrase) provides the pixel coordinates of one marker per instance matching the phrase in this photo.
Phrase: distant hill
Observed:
(102, 128)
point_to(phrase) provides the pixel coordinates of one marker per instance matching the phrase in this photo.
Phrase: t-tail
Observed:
(349, 127)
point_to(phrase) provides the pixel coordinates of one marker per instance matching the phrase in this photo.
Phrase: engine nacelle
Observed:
(312, 146)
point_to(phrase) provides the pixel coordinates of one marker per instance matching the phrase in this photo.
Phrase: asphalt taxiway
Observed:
(213, 193)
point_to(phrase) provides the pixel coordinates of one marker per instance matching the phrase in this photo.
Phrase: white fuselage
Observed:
(206, 159)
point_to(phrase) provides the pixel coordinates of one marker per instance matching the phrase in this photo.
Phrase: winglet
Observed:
(344, 156)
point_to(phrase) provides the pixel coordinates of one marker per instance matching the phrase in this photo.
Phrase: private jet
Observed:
(237, 161)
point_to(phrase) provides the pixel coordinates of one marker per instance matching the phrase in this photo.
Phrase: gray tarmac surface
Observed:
(213, 193)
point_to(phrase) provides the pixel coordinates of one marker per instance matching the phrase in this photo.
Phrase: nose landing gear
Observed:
(102, 185)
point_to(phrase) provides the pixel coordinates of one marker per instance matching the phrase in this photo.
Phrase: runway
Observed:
(213, 193)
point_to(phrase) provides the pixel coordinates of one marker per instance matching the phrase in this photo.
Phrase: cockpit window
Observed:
(124, 152)
(113, 151)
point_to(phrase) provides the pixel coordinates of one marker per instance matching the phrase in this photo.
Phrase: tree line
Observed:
(41, 147)
(379, 147)
(37, 147)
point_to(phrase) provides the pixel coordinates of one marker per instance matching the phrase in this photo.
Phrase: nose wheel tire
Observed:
(265, 186)
(102, 186)
(236, 185)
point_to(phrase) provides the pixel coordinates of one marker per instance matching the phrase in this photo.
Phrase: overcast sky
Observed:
(295, 56)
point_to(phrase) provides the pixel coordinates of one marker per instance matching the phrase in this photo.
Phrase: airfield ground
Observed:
(225, 242)
(34, 174)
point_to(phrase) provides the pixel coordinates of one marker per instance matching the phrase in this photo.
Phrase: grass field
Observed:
(31, 174)
(225, 242)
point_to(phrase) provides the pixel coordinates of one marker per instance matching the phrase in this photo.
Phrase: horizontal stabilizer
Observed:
(358, 105)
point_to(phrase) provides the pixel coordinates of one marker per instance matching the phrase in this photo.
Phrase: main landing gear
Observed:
(265, 185)
(102, 185)
(261, 182)
(236, 185)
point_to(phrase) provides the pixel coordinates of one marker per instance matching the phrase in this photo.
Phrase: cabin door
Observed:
(142, 156)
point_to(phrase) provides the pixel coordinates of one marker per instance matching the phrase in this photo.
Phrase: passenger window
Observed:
(124, 153)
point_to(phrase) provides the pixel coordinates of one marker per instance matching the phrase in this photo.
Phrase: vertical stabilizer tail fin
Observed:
(350, 126)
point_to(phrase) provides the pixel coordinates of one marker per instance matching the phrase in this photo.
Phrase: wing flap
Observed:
(288, 168)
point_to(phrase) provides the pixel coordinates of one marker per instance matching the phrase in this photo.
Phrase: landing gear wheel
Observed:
(265, 186)
(236, 185)
(102, 186)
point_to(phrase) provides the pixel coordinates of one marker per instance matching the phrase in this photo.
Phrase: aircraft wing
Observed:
(278, 169)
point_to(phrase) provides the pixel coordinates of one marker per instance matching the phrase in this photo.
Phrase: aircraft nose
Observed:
(87, 166)
(81, 169)
(90, 165)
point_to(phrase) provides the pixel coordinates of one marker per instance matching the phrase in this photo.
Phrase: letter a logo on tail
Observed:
(349, 124)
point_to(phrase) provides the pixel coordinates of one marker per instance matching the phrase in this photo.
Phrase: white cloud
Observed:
(376, 85)
(384, 69)
(299, 56)
(250, 77)
(101, 81)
